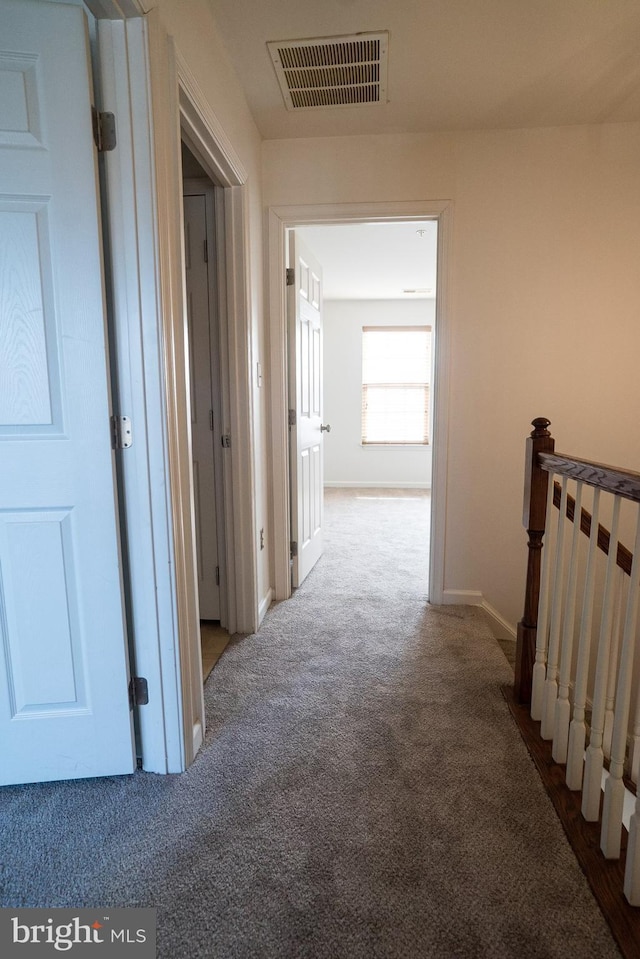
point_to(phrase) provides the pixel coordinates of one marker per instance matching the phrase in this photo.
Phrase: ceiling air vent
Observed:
(332, 71)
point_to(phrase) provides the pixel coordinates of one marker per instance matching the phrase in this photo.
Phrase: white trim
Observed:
(278, 347)
(241, 387)
(281, 218)
(462, 597)
(499, 625)
(220, 246)
(173, 87)
(205, 137)
(264, 605)
(198, 736)
(213, 197)
(115, 9)
(204, 132)
(371, 484)
(132, 223)
(170, 251)
(473, 597)
(440, 410)
(397, 447)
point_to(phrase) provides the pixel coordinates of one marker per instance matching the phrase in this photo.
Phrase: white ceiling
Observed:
(453, 64)
(375, 261)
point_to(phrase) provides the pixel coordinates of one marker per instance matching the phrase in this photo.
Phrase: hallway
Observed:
(362, 791)
(390, 527)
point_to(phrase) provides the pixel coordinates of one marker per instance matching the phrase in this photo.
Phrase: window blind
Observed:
(396, 369)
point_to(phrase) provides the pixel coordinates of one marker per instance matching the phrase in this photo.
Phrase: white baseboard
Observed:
(500, 628)
(371, 484)
(462, 597)
(264, 605)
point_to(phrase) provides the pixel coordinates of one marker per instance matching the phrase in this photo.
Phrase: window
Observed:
(396, 367)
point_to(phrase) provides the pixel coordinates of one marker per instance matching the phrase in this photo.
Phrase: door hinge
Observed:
(104, 130)
(211, 420)
(292, 417)
(121, 435)
(294, 548)
(138, 691)
(206, 252)
(291, 276)
(226, 441)
(217, 575)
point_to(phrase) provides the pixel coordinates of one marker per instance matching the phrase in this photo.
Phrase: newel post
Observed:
(534, 518)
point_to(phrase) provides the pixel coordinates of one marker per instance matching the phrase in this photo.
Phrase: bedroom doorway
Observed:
(204, 300)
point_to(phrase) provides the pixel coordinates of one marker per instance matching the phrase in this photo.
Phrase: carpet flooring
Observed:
(362, 791)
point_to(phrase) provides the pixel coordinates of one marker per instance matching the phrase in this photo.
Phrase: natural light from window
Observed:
(396, 369)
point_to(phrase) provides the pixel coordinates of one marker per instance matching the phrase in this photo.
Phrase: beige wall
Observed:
(191, 25)
(545, 305)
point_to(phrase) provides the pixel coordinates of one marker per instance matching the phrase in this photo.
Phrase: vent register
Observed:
(332, 71)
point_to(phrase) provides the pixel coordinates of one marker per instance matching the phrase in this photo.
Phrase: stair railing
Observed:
(577, 652)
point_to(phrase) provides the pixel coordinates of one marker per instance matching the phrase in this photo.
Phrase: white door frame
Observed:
(213, 197)
(205, 137)
(149, 87)
(282, 218)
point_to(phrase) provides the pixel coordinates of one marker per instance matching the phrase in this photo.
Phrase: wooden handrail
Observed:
(568, 676)
(621, 482)
(624, 557)
(541, 460)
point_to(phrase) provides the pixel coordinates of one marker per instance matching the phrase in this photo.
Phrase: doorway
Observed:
(379, 283)
(286, 218)
(203, 278)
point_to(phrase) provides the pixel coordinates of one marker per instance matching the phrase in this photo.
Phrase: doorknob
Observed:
(325, 429)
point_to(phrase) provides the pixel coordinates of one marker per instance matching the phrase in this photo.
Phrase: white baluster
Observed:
(542, 631)
(551, 683)
(595, 757)
(613, 664)
(634, 747)
(563, 706)
(614, 788)
(632, 866)
(578, 729)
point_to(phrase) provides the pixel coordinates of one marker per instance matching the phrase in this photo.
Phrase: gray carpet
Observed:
(362, 791)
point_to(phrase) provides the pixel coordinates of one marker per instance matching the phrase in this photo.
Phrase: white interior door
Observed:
(305, 397)
(64, 708)
(203, 426)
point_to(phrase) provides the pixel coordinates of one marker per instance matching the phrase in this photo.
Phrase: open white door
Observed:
(305, 417)
(64, 706)
(203, 424)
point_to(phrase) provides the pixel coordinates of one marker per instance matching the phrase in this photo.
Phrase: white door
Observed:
(64, 708)
(305, 397)
(203, 426)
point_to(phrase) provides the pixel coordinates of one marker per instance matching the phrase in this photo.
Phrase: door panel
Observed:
(305, 391)
(202, 431)
(64, 707)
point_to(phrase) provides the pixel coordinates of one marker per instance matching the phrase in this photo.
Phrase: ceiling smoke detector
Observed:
(332, 71)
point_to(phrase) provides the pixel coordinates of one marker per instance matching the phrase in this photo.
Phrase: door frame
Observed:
(213, 197)
(283, 218)
(207, 140)
(157, 101)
